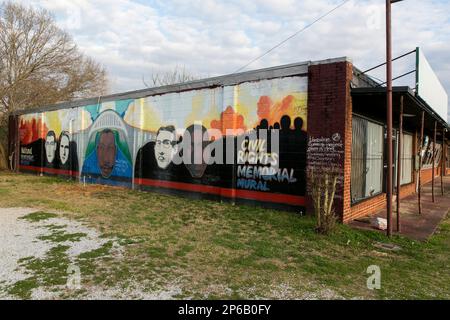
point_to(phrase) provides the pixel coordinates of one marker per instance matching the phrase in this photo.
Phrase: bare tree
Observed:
(322, 184)
(40, 64)
(164, 78)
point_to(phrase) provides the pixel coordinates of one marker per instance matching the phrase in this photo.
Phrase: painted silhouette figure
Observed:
(285, 123)
(193, 146)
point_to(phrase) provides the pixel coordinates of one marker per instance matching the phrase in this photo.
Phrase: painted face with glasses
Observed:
(165, 146)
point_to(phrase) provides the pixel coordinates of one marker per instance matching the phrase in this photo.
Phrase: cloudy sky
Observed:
(134, 39)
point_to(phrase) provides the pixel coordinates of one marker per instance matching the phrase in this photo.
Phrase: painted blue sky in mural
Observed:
(120, 107)
(134, 39)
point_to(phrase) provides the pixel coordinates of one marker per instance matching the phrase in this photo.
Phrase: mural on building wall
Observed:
(217, 140)
(107, 157)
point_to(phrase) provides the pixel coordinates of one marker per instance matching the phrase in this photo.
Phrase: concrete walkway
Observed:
(414, 225)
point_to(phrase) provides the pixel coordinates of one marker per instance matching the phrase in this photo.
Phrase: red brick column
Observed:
(330, 122)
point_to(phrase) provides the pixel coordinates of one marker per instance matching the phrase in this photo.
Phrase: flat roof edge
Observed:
(406, 90)
(287, 70)
(293, 69)
(334, 60)
(380, 89)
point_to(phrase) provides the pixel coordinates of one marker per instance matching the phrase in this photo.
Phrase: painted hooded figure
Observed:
(108, 159)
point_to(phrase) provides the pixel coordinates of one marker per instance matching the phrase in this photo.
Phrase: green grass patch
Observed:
(48, 271)
(23, 288)
(39, 216)
(90, 263)
(220, 250)
(62, 236)
(53, 227)
(51, 270)
(96, 253)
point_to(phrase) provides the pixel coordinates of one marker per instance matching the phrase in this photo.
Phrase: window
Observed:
(447, 156)
(427, 161)
(407, 160)
(438, 155)
(367, 159)
(425, 152)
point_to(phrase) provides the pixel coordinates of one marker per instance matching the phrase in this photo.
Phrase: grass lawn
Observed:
(217, 250)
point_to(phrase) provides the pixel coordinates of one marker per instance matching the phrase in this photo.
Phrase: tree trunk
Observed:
(3, 158)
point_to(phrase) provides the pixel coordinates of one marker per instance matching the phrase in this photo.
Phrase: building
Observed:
(323, 114)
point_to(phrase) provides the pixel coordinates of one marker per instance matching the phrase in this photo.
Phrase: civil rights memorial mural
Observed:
(246, 141)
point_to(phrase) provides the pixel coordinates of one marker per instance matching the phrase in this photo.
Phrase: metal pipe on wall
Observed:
(420, 162)
(443, 157)
(399, 162)
(434, 160)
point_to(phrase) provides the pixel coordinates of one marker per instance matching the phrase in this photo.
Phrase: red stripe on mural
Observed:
(49, 170)
(227, 192)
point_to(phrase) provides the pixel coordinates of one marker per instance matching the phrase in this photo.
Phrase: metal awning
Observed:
(371, 102)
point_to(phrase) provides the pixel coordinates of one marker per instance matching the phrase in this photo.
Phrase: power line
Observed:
(292, 36)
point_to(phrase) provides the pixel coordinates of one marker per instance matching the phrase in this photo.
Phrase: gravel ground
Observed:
(20, 238)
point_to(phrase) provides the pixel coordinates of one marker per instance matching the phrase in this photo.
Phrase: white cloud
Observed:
(212, 37)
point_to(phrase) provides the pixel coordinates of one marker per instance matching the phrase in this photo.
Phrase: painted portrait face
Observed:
(50, 146)
(106, 153)
(64, 148)
(196, 145)
(165, 146)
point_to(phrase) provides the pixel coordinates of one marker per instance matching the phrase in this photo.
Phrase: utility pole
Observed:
(389, 115)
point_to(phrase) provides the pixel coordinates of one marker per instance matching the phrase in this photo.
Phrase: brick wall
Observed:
(427, 174)
(377, 203)
(329, 117)
(366, 207)
(330, 112)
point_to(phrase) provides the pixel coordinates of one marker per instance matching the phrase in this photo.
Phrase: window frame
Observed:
(375, 194)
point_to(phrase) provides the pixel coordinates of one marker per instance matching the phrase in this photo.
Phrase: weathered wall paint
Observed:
(133, 142)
